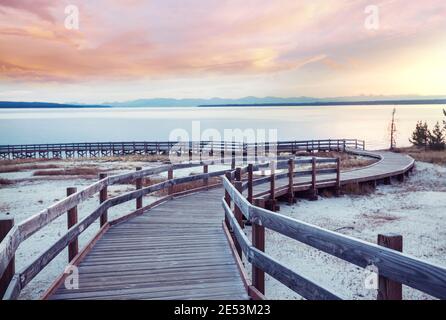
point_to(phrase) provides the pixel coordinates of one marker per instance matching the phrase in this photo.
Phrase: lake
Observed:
(371, 123)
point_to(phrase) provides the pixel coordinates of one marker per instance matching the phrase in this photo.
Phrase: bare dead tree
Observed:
(393, 131)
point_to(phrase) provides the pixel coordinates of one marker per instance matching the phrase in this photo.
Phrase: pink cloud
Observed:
(137, 39)
(41, 8)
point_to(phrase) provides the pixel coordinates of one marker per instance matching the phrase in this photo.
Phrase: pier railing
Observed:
(394, 268)
(108, 149)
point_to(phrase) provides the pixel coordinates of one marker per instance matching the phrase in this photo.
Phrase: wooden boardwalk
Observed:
(390, 165)
(177, 250)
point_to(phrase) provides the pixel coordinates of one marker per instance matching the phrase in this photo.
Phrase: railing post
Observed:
(272, 187)
(238, 185)
(6, 224)
(338, 176)
(255, 153)
(356, 143)
(138, 184)
(170, 177)
(206, 170)
(228, 198)
(233, 158)
(290, 181)
(250, 182)
(102, 198)
(389, 289)
(222, 149)
(238, 174)
(238, 216)
(313, 195)
(73, 246)
(258, 241)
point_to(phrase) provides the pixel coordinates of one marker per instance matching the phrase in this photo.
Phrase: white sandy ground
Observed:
(33, 194)
(415, 209)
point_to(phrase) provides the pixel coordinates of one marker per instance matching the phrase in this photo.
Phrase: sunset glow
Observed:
(141, 49)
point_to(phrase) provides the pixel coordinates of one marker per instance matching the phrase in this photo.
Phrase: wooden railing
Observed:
(25, 229)
(13, 236)
(98, 149)
(394, 268)
(22, 231)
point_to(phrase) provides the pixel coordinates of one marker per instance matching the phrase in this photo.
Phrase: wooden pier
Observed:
(110, 149)
(180, 248)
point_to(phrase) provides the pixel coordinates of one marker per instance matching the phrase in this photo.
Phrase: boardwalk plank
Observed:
(174, 251)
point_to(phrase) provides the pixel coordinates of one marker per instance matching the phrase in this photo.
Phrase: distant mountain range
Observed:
(45, 105)
(246, 101)
(253, 101)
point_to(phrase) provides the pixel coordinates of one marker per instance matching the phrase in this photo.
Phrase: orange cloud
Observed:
(142, 39)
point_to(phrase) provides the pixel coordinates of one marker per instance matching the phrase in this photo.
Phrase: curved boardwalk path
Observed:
(178, 250)
(389, 165)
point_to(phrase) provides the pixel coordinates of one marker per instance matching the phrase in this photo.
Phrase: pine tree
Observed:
(421, 134)
(437, 138)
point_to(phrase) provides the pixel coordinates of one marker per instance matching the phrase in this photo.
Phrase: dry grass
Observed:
(359, 189)
(23, 161)
(420, 154)
(5, 182)
(18, 168)
(378, 219)
(129, 158)
(81, 171)
(348, 161)
(327, 193)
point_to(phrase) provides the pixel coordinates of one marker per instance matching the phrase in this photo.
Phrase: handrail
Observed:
(402, 268)
(28, 227)
(143, 147)
(305, 287)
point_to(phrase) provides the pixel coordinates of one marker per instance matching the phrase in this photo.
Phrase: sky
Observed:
(132, 49)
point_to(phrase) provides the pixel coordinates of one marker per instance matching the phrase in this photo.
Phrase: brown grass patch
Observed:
(81, 171)
(327, 193)
(430, 156)
(348, 161)
(6, 182)
(359, 189)
(18, 168)
(22, 161)
(379, 218)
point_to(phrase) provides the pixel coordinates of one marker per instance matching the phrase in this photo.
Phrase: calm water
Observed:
(126, 124)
